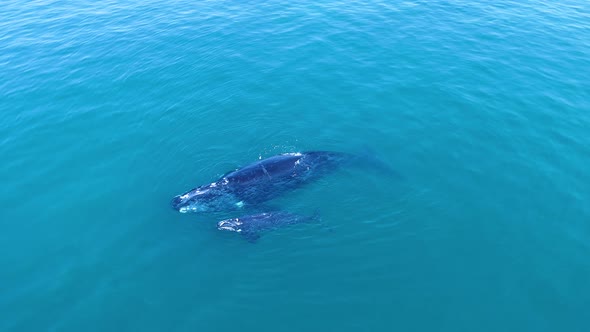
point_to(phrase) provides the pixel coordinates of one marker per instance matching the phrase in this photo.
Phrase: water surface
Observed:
(110, 109)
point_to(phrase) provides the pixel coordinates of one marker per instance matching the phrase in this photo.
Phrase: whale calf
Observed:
(251, 226)
(260, 181)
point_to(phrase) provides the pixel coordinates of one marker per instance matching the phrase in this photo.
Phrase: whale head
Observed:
(232, 225)
(208, 198)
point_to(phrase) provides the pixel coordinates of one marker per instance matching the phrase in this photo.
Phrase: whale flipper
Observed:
(251, 237)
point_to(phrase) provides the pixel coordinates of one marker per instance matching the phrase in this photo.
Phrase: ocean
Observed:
(111, 108)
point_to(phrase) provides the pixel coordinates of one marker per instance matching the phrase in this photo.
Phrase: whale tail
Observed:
(316, 217)
(370, 159)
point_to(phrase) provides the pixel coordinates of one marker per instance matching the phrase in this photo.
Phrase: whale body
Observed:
(260, 181)
(251, 226)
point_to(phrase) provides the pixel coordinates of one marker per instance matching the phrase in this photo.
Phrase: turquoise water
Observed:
(109, 109)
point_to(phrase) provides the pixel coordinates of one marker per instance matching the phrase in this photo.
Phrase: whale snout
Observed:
(176, 202)
(232, 225)
(182, 203)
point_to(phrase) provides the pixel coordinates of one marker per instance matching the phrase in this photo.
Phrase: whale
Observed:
(261, 181)
(252, 226)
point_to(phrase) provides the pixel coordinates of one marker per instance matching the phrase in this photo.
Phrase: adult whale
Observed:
(261, 181)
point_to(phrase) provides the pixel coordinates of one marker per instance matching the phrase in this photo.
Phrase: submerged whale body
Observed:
(260, 181)
(251, 226)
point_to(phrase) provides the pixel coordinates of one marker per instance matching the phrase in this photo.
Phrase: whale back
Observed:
(271, 177)
(265, 170)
